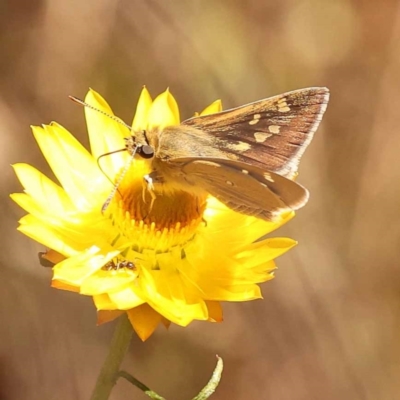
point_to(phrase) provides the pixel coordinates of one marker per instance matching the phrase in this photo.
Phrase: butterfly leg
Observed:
(148, 186)
(151, 182)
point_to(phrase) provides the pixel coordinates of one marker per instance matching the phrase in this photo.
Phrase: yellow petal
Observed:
(223, 224)
(163, 291)
(74, 270)
(214, 311)
(73, 166)
(127, 298)
(29, 204)
(52, 256)
(235, 293)
(165, 322)
(46, 235)
(50, 195)
(104, 281)
(259, 272)
(104, 316)
(105, 134)
(164, 111)
(142, 110)
(264, 250)
(56, 223)
(144, 320)
(213, 108)
(103, 302)
(63, 286)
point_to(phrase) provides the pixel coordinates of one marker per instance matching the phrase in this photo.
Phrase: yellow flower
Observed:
(173, 264)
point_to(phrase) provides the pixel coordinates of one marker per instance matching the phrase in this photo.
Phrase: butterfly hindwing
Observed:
(271, 133)
(243, 187)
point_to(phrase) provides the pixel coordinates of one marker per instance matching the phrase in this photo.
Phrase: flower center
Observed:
(170, 220)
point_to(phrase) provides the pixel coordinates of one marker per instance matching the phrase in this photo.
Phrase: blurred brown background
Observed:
(329, 325)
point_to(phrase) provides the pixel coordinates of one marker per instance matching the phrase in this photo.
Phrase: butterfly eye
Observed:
(146, 151)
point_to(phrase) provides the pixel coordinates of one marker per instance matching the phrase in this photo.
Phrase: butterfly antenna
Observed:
(101, 168)
(128, 164)
(118, 183)
(113, 117)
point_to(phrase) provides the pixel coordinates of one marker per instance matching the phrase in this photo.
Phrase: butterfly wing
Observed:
(242, 187)
(271, 133)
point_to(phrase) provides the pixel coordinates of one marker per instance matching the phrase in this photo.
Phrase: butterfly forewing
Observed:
(272, 133)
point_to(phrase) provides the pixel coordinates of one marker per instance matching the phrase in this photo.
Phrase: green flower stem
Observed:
(205, 393)
(110, 370)
(140, 385)
(119, 346)
(212, 384)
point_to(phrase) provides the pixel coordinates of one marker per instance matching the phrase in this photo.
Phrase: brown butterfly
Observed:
(246, 157)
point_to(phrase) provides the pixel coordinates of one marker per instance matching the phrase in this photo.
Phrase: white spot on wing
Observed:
(268, 177)
(210, 163)
(261, 136)
(283, 106)
(239, 146)
(255, 120)
(274, 129)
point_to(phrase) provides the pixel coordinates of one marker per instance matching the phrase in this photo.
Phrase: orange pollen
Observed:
(171, 219)
(166, 210)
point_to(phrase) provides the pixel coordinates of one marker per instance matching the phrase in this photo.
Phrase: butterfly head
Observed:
(139, 144)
